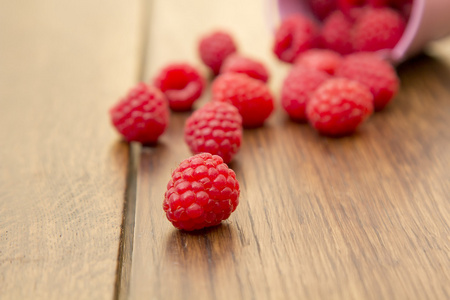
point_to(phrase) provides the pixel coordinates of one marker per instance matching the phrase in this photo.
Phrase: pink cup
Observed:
(429, 20)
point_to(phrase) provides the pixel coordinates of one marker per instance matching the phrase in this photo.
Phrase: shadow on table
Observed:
(424, 66)
(206, 248)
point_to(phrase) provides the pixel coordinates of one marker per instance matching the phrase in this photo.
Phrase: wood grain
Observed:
(63, 168)
(361, 217)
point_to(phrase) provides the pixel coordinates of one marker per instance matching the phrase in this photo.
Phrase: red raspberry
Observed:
(237, 63)
(378, 3)
(250, 96)
(202, 192)
(404, 6)
(320, 59)
(322, 8)
(352, 8)
(377, 29)
(336, 32)
(339, 106)
(214, 48)
(142, 115)
(297, 89)
(215, 128)
(295, 35)
(377, 74)
(182, 84)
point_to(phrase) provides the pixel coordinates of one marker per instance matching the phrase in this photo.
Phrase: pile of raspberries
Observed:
(336, 81)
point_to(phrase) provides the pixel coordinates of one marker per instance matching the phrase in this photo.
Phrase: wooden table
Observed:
(362, 217)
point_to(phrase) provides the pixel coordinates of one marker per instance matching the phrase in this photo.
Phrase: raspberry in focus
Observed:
(215, 128)
(202, 192)
(296, 34)
(339, 106)
(250, 96)
(336, 33)
(297, 89)
(214, 48)
(237, 63)
(320, 59)
(378, 29)
(374, 72)
(182, 84)
(142, 115)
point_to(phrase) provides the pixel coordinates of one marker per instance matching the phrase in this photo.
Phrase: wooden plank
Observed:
(362, 217)
(63, 169)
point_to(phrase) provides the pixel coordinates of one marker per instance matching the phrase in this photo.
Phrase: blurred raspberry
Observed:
(320, 59)
(377, 74)
(214, 49)
(336, 33)
(250, 96)
(296, 34)
(297, 89)
(403, 6)
(378, 29)
(142, 115)
(322, 8)
(349, 7)
(378, 3)
(339, 106)
(237, 63)
(181, 83)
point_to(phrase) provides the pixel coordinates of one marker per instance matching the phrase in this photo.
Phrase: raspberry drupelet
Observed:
(215, 128)
(202, 192)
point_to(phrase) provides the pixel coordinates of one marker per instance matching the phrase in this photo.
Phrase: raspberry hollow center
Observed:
(178, 81)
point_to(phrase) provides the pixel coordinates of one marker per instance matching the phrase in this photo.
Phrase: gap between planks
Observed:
(124, 260)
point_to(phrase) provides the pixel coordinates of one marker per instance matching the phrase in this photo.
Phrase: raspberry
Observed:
(202, 192)
(357, 13)
(214, 48)
(336, 32)
(377, 74)
(320, 59)
(182, 84)
(142, 115)
(215, 128)
(297, 89)
(322, 8)
(404, 6)
(250, 96)
(378, 3)
(351, 8)
(339, 106)
(377, 29)
(295, 35)
(237, 63)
